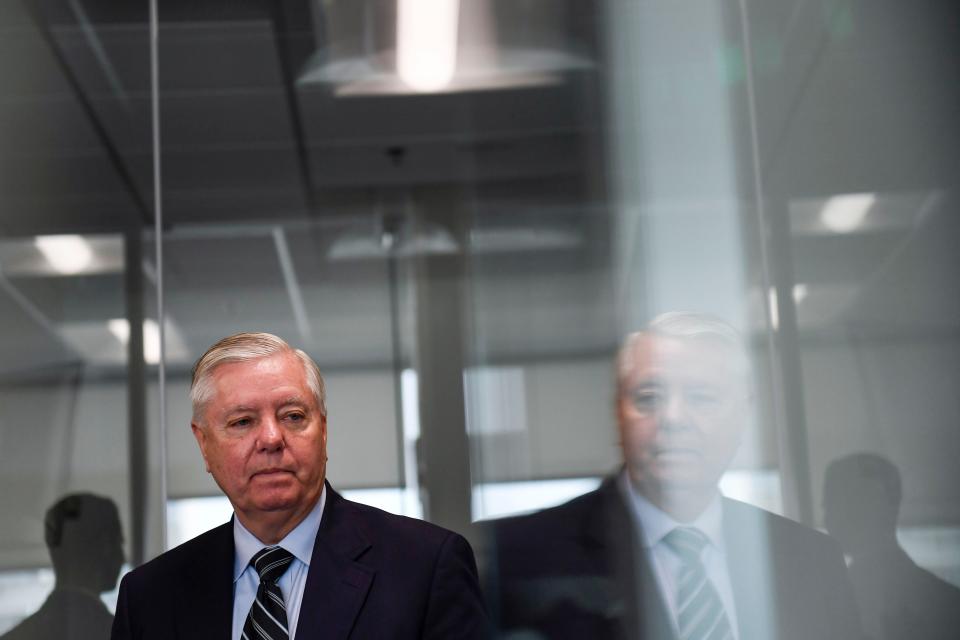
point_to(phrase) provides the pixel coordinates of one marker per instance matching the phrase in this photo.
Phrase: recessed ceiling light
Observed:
(843, 214)
(68, 254)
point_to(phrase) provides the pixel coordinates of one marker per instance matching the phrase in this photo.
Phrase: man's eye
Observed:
(241, 422)
(647, 400)
(295, 417)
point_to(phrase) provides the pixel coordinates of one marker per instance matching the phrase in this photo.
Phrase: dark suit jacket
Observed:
(898, 599)
(578, 571)
(372, 575)
(65, 615)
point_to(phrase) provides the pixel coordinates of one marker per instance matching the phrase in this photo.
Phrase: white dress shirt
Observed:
(299, 542)
(655, 524)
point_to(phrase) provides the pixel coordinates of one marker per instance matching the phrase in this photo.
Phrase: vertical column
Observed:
(796, 478)
(136, 397)
(441, 296)
(676, 162)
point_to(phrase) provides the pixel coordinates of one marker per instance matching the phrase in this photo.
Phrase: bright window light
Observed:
(68, 254)
(151, 341)
(757, 487)
(410, 404)
(189, 517)
(843, 214)
(774, 310)
(427, 42)
(120, 328)
(800, 292)
(501, 499)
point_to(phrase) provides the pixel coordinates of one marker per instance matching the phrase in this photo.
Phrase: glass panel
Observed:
(462, 214)
(262, 234)
(75, 275)
(789, 169)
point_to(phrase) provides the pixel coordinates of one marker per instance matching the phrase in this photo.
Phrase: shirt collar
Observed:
(655, 524)
(299, 542)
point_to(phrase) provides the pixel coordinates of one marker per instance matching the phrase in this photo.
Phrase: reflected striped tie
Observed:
(267, 619)
(700, 613)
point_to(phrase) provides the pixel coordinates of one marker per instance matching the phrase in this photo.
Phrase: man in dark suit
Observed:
(297, 559)
(657, 552)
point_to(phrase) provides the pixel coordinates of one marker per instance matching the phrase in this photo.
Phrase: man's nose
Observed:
(270, 436)
(675, 410)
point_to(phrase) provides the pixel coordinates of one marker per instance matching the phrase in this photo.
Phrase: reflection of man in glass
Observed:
(85, 539)
(682, 402)
(656, 551)
(897, 599)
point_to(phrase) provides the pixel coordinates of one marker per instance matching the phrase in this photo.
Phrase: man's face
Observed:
(263, 437)
(681, 410)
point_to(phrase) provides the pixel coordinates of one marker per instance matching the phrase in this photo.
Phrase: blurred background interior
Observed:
(458, 207)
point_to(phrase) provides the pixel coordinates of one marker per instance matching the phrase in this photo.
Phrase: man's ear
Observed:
(201, 437)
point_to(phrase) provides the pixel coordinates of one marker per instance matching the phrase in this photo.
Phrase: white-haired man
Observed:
(657, 551)
(297, 559)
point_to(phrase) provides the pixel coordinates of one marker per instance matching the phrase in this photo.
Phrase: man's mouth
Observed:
(677, 452)
(270, 472)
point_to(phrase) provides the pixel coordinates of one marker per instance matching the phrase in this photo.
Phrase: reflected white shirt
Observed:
(655, 524)
(299, 542)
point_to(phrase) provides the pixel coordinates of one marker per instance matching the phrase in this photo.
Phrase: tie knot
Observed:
(271, 562)
(687, 542)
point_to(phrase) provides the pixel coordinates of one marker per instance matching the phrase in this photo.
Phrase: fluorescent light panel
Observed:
(427, 43)
(67, 254)
(846, 213)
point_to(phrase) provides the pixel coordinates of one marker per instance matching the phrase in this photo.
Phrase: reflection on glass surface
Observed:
(83, 535)
(502, 499)
(458, 208)
(74, 131)
(657, 550)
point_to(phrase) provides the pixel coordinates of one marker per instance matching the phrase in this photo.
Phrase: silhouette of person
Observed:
(83, 534)
(896, 598)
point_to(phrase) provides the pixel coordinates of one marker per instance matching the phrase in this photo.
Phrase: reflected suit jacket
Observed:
(579, 571)
(65, 615)
(372, 575)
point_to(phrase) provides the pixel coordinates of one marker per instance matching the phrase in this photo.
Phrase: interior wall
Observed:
(895, 398)
(54, 440)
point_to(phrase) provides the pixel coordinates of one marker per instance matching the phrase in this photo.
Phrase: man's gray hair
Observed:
(246, 347)
(685, 326)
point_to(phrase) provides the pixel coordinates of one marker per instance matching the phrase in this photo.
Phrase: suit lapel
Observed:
(643, 611)
(337, 584)
(655, 619)
(750, 566)
(205, 597)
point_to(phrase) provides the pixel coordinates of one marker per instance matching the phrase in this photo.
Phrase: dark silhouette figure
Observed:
(85, 540)
(896, 598)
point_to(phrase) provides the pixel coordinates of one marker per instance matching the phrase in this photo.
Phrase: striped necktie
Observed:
(700, 612)
(267, 619)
